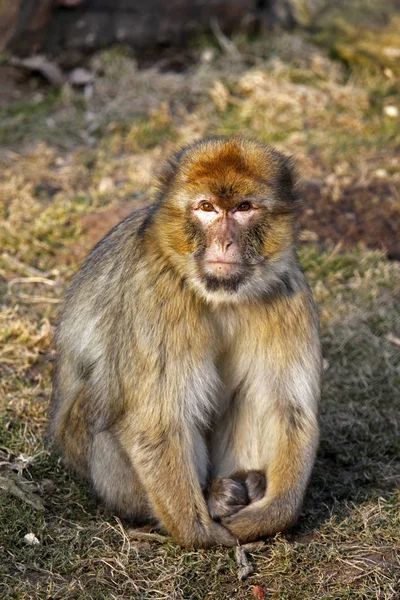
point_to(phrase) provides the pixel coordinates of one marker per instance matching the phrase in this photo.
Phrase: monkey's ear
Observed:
(288, 178)
(165, 174)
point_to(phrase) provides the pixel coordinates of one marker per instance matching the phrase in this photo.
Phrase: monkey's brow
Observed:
(269, 200)
(264, 200)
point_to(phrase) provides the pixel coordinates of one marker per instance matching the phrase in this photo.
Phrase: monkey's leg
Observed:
(165, 462)
(271, 426)
(292, 434)
(115, 480)
(68, 424)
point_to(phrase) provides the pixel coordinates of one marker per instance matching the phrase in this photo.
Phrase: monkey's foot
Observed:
(228, 495)
(256, 484)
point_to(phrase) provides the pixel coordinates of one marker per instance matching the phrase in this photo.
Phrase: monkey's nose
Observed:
(225, 244)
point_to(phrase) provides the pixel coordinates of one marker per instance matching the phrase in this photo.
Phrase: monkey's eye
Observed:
(244, 206)
(207, 207)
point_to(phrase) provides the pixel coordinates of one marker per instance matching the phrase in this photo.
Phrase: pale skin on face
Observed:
(221, 225)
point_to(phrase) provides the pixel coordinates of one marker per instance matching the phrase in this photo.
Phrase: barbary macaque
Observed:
(188, 357)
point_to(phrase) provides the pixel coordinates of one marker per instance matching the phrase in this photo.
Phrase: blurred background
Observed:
(319, 79)
(94, 94)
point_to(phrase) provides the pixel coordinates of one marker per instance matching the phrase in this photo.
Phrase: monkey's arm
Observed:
(292, 453)
(164, 459)
(289, 433)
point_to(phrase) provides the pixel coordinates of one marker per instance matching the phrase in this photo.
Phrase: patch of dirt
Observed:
(15, 85)
(97, 224)
(352, 214)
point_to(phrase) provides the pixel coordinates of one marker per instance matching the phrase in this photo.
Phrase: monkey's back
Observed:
(90, 338)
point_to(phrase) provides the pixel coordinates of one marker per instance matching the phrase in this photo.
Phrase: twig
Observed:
(44, 280)
(241, 552)
(50, 70)
(245, 568)
(226, 44)
(37, 299)
(393, 339)
(144, 535)
(23, 267)
(13, 486)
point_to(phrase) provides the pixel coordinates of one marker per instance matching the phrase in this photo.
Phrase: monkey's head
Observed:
(227, 214)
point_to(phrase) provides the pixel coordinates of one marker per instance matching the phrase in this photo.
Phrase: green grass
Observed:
(346, 542)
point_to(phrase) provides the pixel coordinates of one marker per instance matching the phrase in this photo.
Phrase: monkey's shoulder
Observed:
(289, 299)
(114, 257)
(128, 230)
(122, 238)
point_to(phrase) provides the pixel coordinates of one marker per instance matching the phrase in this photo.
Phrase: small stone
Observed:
(391, 111)
(106, 184)
(207, 55)
(380, 173)
(308, 236)
(31, 539)
(81, 77)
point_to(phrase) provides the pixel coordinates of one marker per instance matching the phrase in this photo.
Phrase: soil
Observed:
(356, 214)
(15, 85)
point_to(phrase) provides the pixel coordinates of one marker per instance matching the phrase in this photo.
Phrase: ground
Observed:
(75, 162)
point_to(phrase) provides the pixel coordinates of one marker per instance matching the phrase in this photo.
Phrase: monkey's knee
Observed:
(226, 496)
(115, 481)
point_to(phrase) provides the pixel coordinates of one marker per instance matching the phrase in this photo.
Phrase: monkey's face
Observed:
(229, 216)
(224, 255)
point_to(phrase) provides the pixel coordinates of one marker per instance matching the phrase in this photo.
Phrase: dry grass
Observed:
(73, 160)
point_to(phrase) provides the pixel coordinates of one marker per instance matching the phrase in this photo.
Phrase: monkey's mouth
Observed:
(223, 275)
(222, 262)
(219, 268)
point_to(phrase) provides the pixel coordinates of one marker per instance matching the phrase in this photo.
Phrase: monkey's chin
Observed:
(215, 283)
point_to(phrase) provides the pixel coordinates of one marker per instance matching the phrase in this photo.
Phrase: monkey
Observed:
(187, 377)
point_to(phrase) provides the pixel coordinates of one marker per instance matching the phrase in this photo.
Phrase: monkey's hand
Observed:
(213, 535)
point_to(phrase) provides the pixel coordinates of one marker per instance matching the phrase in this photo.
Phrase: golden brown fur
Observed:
(188, 369)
